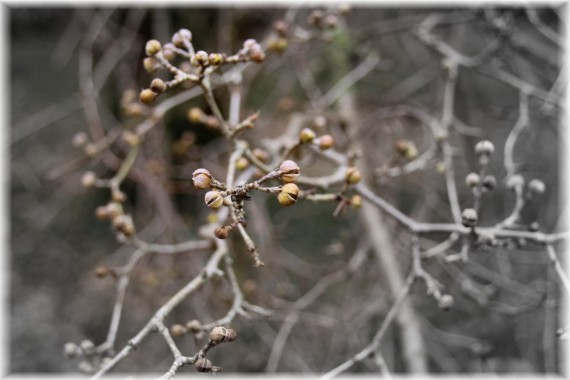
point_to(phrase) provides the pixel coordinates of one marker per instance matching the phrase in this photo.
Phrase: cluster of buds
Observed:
(92, 358)
(473, 180)
(197, 116)
(309, 136)
(218, 335)
(322, 20)
(82, 141)
(121, 223)
(157, 87)
(253, 50)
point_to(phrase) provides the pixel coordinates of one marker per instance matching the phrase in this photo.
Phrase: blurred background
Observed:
(64, 61)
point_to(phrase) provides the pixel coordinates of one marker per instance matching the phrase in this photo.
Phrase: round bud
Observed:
(256, 54)
(203, 365)
(445, 302)
(280, 27)
(247, 44)
(536, 186)
(195, 115)
(158, 86)
(319, 122)
(260, 154)
(147, 96)
(102, 271)
(169, 51)
(194, 326)
(221, 334)
(469, 217)
(441, 136)
(307, 135)
(90, 150)
(242, 163)
(185, 34)
(150, 64)
(152, 47)
(118, 196)
(71, 350)
(88, 179)
(201, 57)
(356, 201)
(221, 232)
(288, 194)
(79, 140)
(123, 223)
(331, 21)
(515, 181)
(113, 209)
(278, 45)
(489, 182)
(533, 227)
(201, 178)
(484, 147)
(87, 346)
(326, 142)
(214, 199)
(352, 175)
(177, 330)
(101, 213)
(215, 59)
(472, 179)
(289, 171)
(178, 39)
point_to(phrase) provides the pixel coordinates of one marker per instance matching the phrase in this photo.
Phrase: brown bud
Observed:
(289, 171)
(88, 179)
(260, 154)
(179, 37)
(222, 232)
(147, 96)
(256, 54)
(157, 86)
(326, 142)
(152, 47)
(177, 330)
(214, 199)
(203, 365)
(195, 115)
(201, 178)
(169, 51)
(102, 271)
(469, 217)
(194, 326)
(280, 27)
(288, 194)
(307, 135)
(316, 17)
(221, 334)
(101, 213)
(118, 196)
(352, 175)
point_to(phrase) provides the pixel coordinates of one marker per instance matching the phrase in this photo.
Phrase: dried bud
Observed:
(147, 96)
(195, 115)
(356, 201)
(307, 135)
(158, 86)
(215, 59)
(214, 199)
(445, 302)
(469, 217)
(280, 27)
(150, 64)
(102, 271)
(472, 179)
(352, 175)
(79, 140)
(289, 171)
(177, 330)
(222, 232)
(221, 334)
(152, 47)
(201, 178)
(88, 179)
(484, 147)
(325, 142)
(536, 186)
(194, 326)
(203, 365)
(288, 194)
(169, 51)
(71, 350)
(489, 182)
(242, 163)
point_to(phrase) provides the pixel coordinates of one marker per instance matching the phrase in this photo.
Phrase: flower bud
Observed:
(147, 96)
(319, 122)
(102, 271)
(87, 346)
(71, 350)
(88, 179)
(289, 171)
(221, 334)
(247, 44)
(169, 51)
(195, 115)
(79, 140)
(352, 175)
(177, 330)
(536, 186)
(288, 194)
(124, 224)
(157, 86)
(152, 47)
(150, 64)
(280, 27)
(242, 163)
(472, 179)
(215, 59)
(203, 365)
(489, 182)
(278, 45)
(201, 178)
(484, 147)
(469, 217)
(214, 199)
(445, 302)
(331, 21)
(356, 201)
(325, 142)
(201, 57)
(260, 154)
(307, 135)
(90, 150)
(194, 326)
(221, 232)
(179, 37)
(515, 181)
